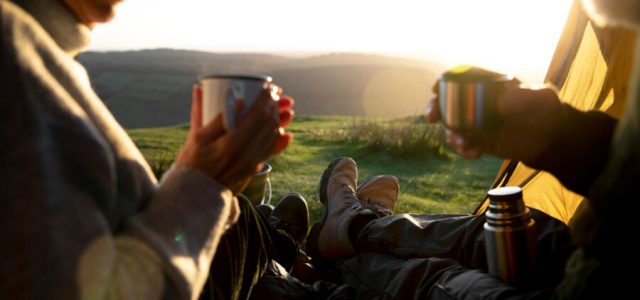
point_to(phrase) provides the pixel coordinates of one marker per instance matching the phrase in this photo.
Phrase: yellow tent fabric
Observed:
(591, 68)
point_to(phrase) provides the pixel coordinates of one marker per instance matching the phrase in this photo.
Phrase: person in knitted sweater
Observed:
(82, 216)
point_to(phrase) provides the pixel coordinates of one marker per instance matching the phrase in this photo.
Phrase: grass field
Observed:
(432, 178)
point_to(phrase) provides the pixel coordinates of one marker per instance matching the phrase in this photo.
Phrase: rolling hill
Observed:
(151, 88)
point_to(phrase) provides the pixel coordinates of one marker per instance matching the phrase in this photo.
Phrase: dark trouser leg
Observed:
(381, 276)
(424, 255)
(459, 237)
(242, 255)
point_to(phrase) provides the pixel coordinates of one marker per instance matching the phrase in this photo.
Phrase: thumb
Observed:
(238, 107)
(196, 108)
(234, 214)
(435, 88)
(211, 131)
(433, 110)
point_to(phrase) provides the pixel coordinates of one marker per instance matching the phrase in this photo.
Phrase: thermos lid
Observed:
(506, 208)
(507, 193)
(468, 73)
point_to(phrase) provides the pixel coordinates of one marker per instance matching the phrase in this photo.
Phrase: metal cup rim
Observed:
(237, 76)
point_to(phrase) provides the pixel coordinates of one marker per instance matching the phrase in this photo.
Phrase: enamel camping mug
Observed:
(258, 191)
(467, 98)
(222, 92)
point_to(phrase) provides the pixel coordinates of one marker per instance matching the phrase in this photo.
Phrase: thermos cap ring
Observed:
(505, 193)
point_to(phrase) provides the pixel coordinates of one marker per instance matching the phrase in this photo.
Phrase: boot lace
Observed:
(377, 208)
(348, 193)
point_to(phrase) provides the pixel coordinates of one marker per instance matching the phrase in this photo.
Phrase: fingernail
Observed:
(275, 92)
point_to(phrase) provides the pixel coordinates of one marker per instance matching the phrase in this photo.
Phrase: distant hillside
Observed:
(151, 88)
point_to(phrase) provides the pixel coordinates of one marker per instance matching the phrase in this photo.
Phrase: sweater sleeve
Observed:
(58, 242)
(72, 225)
(168, 248)
(580, 150)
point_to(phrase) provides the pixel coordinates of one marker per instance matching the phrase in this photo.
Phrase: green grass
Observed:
(432, 178)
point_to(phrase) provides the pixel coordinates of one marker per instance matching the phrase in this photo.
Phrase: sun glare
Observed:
(511, 36)
(515, 36)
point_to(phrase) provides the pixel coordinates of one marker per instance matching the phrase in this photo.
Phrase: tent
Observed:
(591, 68)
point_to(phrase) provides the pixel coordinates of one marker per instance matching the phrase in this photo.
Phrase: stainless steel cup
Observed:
(467, 98)
(222, 92)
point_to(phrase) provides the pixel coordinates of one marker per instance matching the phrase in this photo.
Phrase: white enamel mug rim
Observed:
(214, 99)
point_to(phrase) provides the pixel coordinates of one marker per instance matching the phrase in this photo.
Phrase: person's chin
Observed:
(103, 13)
(614, 12)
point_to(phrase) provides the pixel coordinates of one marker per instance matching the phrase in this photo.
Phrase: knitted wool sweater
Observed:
(81, 214)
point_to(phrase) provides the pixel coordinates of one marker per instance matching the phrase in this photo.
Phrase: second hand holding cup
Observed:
(468, 98)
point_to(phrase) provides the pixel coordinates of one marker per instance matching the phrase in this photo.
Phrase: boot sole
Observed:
(368, 181)
(371, 179)
(364, 184)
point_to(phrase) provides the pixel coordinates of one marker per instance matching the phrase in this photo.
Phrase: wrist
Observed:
(579, 149)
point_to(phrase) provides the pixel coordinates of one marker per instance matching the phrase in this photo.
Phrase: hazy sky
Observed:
(516, 36)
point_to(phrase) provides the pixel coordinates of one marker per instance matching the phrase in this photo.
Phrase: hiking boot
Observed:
(379, 194)
(264, 210)
(291, 215)
(329, 239)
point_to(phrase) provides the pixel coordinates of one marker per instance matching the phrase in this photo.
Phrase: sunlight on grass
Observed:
(432, 179)
(407, 138)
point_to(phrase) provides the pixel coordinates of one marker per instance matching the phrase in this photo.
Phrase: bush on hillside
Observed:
(407, 138)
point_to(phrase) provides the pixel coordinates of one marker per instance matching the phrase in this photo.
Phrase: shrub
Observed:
(407, 138)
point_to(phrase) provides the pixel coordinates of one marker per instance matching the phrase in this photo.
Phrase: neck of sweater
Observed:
(58, 20)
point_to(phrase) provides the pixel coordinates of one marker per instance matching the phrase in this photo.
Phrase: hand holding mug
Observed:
(530, 117)
(232, 155)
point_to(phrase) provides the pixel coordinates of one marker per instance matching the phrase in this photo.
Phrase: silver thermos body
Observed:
(510, 238)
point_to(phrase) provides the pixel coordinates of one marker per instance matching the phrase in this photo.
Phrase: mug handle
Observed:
(268, 200)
